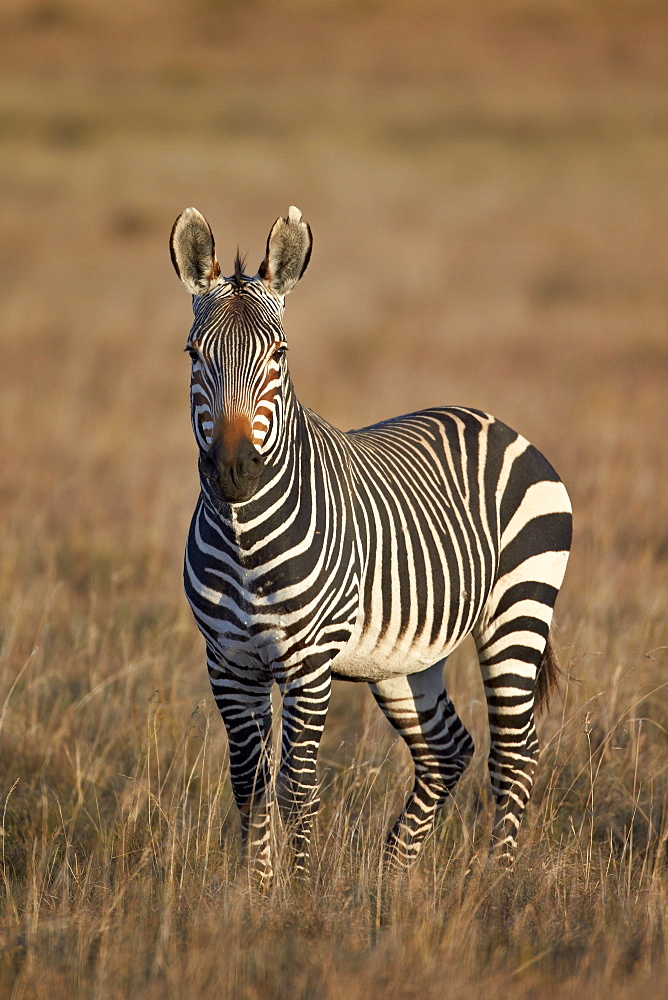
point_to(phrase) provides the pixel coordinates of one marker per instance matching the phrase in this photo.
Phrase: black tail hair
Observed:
(549, 676)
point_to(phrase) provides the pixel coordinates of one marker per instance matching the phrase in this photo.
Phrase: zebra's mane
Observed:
(239, 263)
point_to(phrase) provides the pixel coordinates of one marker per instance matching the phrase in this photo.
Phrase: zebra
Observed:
(369, 555)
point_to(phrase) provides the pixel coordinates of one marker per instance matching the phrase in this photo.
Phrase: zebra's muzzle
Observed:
(232, 478)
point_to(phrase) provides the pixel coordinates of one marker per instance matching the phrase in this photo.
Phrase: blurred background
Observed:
(487, 185)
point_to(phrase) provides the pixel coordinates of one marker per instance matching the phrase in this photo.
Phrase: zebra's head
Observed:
(237, 347)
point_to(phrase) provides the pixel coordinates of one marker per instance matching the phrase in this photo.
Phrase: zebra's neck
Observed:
(293, 485)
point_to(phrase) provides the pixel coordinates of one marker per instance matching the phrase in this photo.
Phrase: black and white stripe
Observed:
(365, 556)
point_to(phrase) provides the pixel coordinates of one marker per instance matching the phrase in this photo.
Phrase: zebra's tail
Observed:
(549, 676)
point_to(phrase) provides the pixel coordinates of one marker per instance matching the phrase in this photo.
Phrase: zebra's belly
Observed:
(365, 658)
(387, 659)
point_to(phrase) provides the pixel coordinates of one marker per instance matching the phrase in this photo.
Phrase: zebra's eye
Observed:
(279, 353)
(193, 354)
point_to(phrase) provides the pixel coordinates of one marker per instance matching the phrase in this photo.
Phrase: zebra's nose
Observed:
(233, 477)
(248, 463)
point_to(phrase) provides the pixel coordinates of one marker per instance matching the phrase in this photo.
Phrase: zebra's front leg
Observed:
(244, 701)
(420, 710)
(305, 704)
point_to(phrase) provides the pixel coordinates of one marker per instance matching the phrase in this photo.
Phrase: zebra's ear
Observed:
(194, 252)
(288, 252)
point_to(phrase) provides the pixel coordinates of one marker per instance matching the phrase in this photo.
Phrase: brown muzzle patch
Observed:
(230, 432)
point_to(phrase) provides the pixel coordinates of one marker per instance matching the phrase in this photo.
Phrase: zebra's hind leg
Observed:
(420, 710)
(518, 668)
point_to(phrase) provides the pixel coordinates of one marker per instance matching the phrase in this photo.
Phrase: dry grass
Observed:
(487, 191)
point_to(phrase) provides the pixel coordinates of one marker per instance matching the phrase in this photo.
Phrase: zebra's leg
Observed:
(420, 710)
(512, 643)
(305, 704)
(244, 701)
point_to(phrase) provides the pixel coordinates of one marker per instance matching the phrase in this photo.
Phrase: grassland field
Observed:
(488, 191)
